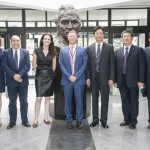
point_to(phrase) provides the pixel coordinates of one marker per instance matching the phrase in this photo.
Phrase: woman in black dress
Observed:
(2, 81)
(44, 64)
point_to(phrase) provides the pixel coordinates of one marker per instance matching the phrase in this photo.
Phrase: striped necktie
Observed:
(125, 60)
(98, 57)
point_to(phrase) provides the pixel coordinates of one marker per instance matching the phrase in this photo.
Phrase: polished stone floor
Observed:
(113, 138)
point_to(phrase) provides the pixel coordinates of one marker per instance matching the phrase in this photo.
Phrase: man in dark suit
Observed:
(16, 64)
(73, 63)
(130, 71)
(101, 73)
(147, 83)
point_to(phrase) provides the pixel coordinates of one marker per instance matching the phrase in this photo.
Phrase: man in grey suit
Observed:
(147, 83)
(130, 72)
(101, 74)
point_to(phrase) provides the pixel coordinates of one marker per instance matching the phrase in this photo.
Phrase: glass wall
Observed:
(129, 17)
(98, 17)
(35, 18)
(12, 17)
(50, 19)
(83, 16)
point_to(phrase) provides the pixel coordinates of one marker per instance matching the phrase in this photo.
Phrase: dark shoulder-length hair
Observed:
(51, 46)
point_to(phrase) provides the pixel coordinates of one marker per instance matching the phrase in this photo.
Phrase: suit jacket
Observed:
(106, 63)
(8, 65)
(79, 67)
(1, 51)
(135, 66)
(147, 59)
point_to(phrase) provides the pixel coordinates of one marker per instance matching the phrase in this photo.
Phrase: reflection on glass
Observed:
(98, 15)
(11, 15)
(30, 24)
(83, 15)
(92, 23)
(103, 23)
(35, 15)
(41, 24)
(132, 23)
(129, 15)
(53, 24)
(14, 24)
(117, 23)
(2, 24)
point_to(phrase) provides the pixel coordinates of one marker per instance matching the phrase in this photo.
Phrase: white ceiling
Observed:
(80, 5)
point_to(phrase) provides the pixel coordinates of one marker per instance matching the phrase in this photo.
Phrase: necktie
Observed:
(125, 60)
(98, 57)
(72, 59)
(16, 59)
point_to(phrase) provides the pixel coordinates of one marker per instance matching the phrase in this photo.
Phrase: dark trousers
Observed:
(12, 94)
(148, 98)
(104, 90)
(130, 103)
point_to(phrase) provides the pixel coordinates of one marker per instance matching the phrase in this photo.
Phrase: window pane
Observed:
(48, 24)
(30, 24)
(41, 24)
(131, 14)
(103, 23)
(35, 15)
(53, 24)
(82, 15)
(85, 24)
(98, 15)
(117, 23)
(10, 15)
(92, 23)
(14, 24)
(2, 24)
(132, 23)
(51, 15)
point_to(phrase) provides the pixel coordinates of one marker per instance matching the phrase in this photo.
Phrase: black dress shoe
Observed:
(94, 123)
(132, 126)
(79, 125)
(11, 125)
(104, 125)
(69, 125)
(125, 124)
(26, 124)
(148, 127)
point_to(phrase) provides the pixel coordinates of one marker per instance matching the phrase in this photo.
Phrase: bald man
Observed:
(16, 64)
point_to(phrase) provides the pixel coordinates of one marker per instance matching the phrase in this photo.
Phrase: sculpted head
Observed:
(67, 19)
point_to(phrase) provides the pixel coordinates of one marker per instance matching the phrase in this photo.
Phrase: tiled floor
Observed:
(114, 138)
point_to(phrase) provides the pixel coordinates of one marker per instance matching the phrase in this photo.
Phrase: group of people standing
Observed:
(15, 64)
(98, 66)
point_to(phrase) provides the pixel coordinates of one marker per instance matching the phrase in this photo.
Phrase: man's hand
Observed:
(17, 78)
(140, 84)
(88, 82)
(72, 78)
(115, 85)
(110, 82)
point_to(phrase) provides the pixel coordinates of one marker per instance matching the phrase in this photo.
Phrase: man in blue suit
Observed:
(130, 75)
(16, 64)
(73, 63)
